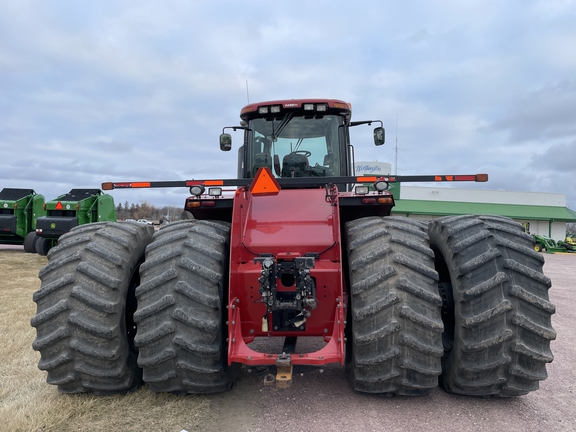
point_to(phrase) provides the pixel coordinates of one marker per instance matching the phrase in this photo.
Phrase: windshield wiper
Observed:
(281, 126)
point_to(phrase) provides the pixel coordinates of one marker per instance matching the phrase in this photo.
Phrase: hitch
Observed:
(289, 308)
(283, 370)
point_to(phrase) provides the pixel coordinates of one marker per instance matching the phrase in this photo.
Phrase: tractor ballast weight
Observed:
(19, 210)
(77, 207)
(297, 247)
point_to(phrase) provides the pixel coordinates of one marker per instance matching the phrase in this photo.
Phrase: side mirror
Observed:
(379, 136)
(225, 142)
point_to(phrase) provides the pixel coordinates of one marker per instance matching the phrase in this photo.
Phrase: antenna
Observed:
(247, 93)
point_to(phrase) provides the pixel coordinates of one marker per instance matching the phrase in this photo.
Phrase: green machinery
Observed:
(19, 210)
(569, 243)
(545, 243)
(77, 207)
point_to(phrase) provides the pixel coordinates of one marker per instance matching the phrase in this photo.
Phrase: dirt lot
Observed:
(316, 401)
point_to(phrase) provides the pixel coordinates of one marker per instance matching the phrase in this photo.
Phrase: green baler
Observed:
(77, 207)
(19, 210)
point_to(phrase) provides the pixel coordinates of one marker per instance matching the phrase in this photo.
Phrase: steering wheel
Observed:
(304, 152)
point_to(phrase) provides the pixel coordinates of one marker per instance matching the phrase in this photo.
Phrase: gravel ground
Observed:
(324, 401)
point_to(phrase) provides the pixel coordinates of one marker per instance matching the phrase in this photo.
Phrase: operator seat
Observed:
(261, 160)
(295, 162)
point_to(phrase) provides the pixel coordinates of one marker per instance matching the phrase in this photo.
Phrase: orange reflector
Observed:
(213, 183)
(141, 185)
(107, 186)
(59, 206)
(481, 177)
(365, 179)
(264, 183)
(193, 204)
(437, 178)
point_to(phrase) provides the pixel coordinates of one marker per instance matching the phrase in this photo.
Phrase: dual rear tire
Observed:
(463, 297)
(87, 312)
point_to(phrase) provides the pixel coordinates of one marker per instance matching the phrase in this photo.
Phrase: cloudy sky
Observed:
(140, 90)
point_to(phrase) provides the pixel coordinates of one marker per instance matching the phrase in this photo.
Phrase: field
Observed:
(315, 401)
(28, 403)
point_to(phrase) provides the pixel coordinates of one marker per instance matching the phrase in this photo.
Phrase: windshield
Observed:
(295, 147)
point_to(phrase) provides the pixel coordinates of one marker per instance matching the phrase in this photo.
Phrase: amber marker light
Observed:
(385, 200)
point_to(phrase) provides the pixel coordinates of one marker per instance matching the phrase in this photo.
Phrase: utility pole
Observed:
(396, 149)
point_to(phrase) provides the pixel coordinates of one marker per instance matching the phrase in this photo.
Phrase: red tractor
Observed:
(298, 250)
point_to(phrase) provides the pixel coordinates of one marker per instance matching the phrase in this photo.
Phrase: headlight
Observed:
(214, 191)
(381, 186)
(197, 190)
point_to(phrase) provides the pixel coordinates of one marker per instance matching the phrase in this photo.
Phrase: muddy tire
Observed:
(30, 242)
(498, 327)
(181, 335)
(84, 308)
(394, 325)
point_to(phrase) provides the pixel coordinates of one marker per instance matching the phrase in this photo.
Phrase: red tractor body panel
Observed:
(292, 224)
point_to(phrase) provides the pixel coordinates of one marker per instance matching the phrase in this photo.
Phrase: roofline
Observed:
(449, 208)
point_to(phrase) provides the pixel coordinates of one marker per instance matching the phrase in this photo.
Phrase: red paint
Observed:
(288, 225)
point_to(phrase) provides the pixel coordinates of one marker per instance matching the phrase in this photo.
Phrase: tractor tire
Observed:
(537, 247)
(85, 306)
(394, 329)
(42, 245)
(181, 333)
(498, 326)
(30, 242)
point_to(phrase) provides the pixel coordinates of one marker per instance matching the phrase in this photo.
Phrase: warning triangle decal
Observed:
(264, 183)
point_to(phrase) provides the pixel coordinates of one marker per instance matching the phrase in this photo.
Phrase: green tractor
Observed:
(77, 207)
(545, 243)
(19, 210)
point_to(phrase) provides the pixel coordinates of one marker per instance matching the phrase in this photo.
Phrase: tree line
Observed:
(145, 210)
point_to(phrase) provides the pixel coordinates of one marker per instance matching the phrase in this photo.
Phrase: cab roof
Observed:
(333, 106)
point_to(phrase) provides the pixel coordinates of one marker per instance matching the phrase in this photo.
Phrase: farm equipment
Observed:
(569, 242)
(19, 209)
(299, 251)
(77, 207)
(544, 243)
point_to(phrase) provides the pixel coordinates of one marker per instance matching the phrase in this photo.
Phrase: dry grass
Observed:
(28, 403)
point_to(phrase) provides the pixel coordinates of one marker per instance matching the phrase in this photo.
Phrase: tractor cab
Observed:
(297, 138)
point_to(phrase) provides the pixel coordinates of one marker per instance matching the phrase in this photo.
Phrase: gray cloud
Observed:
(110, 91)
